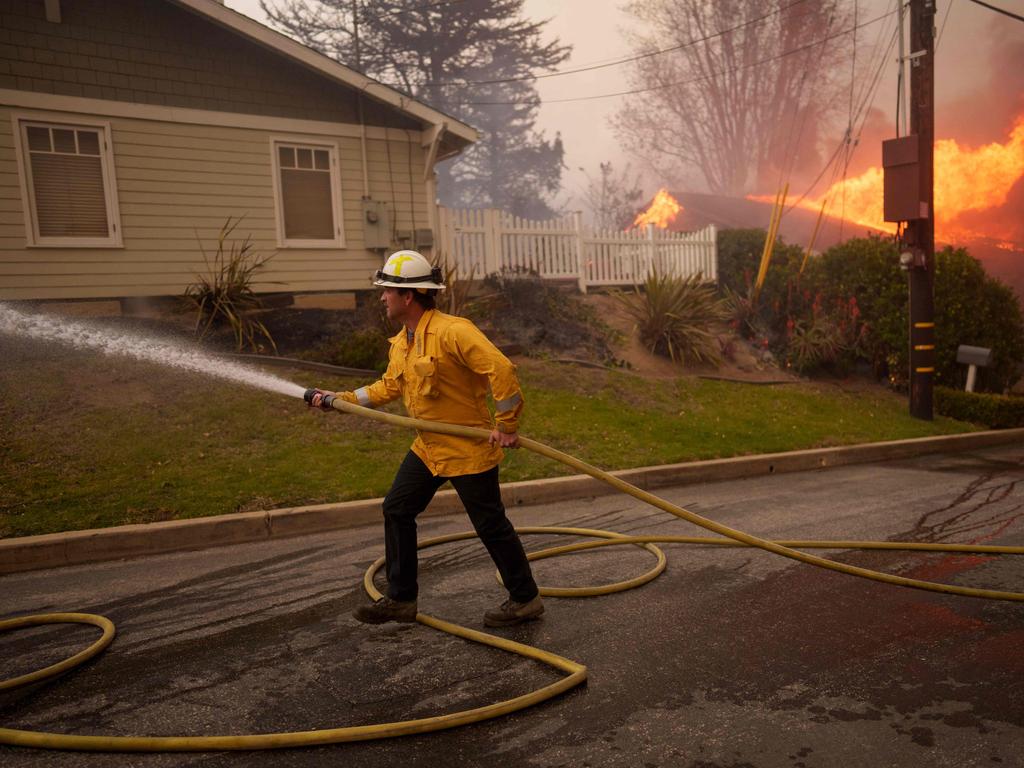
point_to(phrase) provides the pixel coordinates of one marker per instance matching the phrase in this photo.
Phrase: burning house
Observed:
(979, 205)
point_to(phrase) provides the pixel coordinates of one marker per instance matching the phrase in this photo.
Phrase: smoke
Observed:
(988, 106)
(877, 127)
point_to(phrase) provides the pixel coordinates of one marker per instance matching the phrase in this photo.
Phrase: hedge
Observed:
(994, 411)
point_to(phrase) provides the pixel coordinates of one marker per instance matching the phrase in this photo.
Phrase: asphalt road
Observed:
(730, 658)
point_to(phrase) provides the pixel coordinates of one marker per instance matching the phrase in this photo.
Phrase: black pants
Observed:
(411, 492)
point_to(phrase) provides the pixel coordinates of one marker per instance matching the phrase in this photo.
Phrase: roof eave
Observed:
(323, 65)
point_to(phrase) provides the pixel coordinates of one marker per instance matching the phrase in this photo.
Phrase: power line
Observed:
(862, 113)
(849, 122)
(782, 55)
(864, 100)
(999, 10)
(616, 62)
(945, 18)
(793, 141)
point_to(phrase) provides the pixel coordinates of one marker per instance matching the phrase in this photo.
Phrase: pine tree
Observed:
(439, 52)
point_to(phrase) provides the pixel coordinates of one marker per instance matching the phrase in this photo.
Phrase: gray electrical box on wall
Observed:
(414, 238)
(376, 224)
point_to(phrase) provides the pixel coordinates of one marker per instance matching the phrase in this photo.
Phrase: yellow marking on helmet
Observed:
(397, 261)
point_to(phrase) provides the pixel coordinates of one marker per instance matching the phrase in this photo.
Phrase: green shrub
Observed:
(974, 308)
(860, 289)
(994, 411)
(785, 296)
(674, 316)
(867, 270)
(813, 344)
(739, 259)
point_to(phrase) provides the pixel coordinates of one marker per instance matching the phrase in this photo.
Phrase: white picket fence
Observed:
(479, 242)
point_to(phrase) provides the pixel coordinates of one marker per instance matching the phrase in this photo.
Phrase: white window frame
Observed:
(33, 239)
(305, 142)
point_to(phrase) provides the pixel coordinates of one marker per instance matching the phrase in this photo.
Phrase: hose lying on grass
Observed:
(574, 672)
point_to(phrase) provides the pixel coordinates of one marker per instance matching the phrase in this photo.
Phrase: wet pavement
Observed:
(730, 658)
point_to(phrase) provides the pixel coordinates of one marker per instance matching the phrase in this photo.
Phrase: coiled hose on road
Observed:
(574, 672)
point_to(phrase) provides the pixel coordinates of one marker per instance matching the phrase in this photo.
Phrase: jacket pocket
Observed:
(426, 371)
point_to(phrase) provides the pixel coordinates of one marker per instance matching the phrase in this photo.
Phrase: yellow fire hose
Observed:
(574, 672)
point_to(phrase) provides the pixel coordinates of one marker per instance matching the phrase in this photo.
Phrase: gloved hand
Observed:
(319, 398)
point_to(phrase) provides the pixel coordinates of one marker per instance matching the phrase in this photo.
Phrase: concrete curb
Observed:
(58, 549)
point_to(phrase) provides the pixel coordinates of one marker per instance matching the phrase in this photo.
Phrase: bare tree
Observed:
(743, 91)
(612, 198)
(440, 52)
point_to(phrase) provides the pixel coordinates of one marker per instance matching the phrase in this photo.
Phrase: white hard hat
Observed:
(408, 269)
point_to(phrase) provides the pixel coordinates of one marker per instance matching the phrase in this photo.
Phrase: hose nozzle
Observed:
(325, 399)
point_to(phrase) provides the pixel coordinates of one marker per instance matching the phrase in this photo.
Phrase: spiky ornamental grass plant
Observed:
(674, 316)
(454, 300)
(225, 294)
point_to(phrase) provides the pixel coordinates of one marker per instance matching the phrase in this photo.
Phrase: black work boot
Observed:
(385, 610)
(510, 613)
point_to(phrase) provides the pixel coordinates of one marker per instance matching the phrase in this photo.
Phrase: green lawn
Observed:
(89, 441)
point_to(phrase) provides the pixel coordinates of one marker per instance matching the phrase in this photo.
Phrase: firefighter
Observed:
(443, 366)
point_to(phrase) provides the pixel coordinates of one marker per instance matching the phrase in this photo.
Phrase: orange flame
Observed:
(965, 180)
(662, 211)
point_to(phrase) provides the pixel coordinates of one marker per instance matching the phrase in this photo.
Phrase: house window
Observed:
(68, 184)
(308, 193)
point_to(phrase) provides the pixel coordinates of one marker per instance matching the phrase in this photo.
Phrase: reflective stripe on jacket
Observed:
(444, 375)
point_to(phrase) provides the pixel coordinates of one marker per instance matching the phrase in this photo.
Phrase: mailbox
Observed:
(973, 357)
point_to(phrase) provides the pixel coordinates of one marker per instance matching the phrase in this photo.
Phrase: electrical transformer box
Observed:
(902, 180)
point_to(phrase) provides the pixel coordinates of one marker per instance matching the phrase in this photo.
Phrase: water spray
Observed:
(575, 673)
(82, 335)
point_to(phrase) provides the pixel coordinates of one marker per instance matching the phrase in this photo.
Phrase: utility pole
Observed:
(919, 236)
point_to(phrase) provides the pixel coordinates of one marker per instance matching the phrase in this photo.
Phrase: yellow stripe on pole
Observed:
(925, 370)
(924, 325)
(923, 347)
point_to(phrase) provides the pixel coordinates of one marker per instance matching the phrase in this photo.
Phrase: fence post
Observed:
(713, 249)
(492, 242)
(581, 266)
(651, 252)
(443, 242)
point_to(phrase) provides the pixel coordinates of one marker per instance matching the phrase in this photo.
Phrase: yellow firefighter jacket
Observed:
(444, 375)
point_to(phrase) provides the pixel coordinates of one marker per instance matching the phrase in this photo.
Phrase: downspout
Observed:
(362, 147)
(432, 142)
